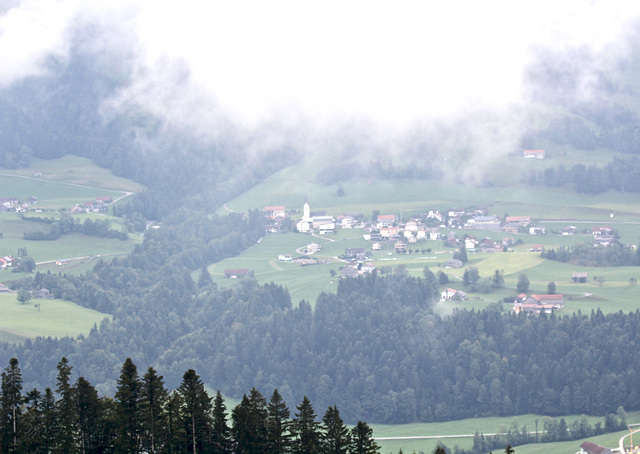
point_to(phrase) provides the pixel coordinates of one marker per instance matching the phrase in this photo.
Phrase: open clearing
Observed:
(55, 318)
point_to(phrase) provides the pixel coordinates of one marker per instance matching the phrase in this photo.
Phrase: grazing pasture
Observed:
(55, 318)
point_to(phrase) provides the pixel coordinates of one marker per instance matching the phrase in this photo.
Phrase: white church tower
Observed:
(306, 212)
(304, 224)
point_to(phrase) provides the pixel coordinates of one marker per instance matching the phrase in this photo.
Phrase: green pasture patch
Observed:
(445, 432)
(509, 262)
(70, 246)
(77, 170)
(51, 194)
(485, 426)
(55, 318)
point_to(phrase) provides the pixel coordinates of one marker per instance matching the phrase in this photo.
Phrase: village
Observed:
(457, 229)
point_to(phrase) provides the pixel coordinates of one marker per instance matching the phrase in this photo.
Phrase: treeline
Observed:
(586, 254)
(66, 224)
(143, 416)
(621, 174)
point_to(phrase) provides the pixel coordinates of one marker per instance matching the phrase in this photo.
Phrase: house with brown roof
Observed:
(556, 300)
(591, 448)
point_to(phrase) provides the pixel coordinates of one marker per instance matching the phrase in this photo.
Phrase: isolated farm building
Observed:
(533, 154)
(236, 273)
(591, 448)
(4, 288)
(104, 199)
(275, 212)
(453, 263)
(285, 257)
(555, 300)
(452, 294)
(536, 248)
(580, 277)
(569, 230)
(385, 220)
(44, 294)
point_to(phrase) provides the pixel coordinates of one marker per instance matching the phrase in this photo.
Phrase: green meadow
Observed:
(466, 428)
(55, 318)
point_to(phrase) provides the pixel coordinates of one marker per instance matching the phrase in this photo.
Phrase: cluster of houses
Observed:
(99, 205)
(416, 228)
(13, 204)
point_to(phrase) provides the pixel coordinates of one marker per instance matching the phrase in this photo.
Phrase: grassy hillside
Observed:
(56, 318)
(59, 184)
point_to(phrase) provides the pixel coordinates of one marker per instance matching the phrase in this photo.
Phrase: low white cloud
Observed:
(390, 63)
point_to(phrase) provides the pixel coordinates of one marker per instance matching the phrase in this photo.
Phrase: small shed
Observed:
(580, 277)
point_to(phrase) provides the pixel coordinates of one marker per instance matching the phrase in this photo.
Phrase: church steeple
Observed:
(306, 211)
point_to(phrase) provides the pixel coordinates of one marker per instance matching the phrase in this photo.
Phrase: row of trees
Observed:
(66, 224)
(586, 254)
(621, 174)
(144, 417)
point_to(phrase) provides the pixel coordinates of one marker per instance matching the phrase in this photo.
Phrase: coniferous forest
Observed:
(143, 416)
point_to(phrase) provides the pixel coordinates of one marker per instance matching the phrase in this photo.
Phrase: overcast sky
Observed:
(391, 62)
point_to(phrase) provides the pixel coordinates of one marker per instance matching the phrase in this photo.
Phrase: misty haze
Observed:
(343, 227)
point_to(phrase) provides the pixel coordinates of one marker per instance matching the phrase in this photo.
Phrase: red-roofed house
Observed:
(385, 220)
(556, 300)
(591, 448)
